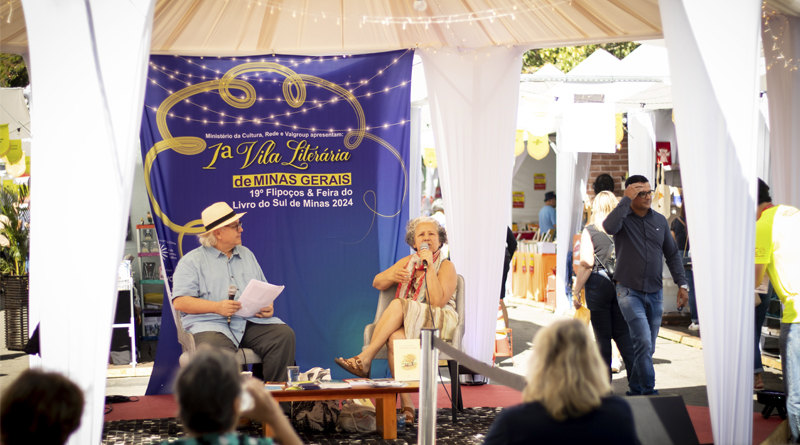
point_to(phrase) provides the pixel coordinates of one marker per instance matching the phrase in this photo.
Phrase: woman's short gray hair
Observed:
(207, 239)
(411, 227)
(206, 388)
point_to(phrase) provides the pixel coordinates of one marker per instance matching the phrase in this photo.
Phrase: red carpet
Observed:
(701, 420)
(158, 407)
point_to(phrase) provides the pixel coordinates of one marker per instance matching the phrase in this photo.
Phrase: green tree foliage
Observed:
(14, 217)
(13, 72)
(569, 57)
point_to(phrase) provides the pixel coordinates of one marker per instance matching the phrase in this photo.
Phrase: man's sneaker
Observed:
(694, 327)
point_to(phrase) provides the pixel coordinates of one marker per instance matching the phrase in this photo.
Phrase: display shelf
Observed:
(149, 260)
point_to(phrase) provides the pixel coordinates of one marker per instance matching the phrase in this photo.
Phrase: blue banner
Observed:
(315, 150)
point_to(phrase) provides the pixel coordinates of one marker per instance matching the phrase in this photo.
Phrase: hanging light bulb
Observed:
(420, 5)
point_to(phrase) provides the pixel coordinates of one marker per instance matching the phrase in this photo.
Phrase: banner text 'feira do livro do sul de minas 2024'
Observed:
(315, 150)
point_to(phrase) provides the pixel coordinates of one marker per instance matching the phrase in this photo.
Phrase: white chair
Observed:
(386, 297)
(244, 356)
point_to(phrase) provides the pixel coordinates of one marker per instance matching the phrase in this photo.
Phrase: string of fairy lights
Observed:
(186, 78)
(488, 15)
(778, 39)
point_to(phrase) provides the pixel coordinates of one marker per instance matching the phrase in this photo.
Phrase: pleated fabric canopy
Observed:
(246, 27)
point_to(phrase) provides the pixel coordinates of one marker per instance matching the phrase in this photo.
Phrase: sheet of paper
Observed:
(258, 294)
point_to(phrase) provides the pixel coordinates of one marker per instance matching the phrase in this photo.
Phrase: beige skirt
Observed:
(417, 315)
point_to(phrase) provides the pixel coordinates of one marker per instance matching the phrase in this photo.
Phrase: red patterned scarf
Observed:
(416, 286)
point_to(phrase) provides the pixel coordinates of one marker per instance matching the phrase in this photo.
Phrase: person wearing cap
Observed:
(778, 254)
(547, 215)
(200, 288)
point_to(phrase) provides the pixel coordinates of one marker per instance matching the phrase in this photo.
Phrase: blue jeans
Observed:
(608, 323)
(643, 313)
(790, 363)
(761, 316)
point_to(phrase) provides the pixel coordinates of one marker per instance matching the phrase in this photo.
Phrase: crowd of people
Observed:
(568, 397)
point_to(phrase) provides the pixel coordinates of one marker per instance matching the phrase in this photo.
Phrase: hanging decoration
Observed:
(519, 142)
(4, 138)
(429, 157)
(620, 130)
(538, 147)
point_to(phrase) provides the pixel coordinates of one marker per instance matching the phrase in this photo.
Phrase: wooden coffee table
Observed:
(385, 402)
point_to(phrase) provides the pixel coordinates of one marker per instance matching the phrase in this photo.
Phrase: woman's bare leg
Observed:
(391, 320)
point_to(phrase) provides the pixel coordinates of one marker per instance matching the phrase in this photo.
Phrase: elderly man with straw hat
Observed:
(200, 290)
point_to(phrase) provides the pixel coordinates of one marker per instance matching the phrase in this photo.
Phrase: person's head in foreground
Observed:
(425, 230)
(40, 408)
(567, 375)
(210, 391)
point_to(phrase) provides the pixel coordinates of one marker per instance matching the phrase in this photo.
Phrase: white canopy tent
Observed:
(109, 41)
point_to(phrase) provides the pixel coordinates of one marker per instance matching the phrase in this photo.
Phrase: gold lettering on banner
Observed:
(305, 153)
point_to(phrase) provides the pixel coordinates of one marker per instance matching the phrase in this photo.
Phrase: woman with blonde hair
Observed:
(567, 399)
(595, 274)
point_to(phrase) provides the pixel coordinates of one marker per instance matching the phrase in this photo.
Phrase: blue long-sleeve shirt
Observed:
(639, 243)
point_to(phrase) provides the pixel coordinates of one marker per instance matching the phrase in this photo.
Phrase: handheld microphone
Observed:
(426, 247)
(231, 293)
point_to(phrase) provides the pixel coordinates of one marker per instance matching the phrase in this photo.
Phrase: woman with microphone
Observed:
(425, 298)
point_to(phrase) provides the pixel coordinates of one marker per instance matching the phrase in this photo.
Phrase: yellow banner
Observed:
(15, 151)
(429, 157)
(293, 179)
(539, 147)
(519, 142)
(4, 138)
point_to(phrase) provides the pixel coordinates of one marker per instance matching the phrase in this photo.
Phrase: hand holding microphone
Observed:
(424, 247)
(231, 293)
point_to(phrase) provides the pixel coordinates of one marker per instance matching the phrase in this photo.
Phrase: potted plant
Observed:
(14, 242)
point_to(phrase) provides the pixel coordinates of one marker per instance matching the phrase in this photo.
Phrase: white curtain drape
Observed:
(764, 164)
(715, 118)
(572, 176)
(473, 99)
(415, 164)
(84, 179)
(783, 84)
(642, 143)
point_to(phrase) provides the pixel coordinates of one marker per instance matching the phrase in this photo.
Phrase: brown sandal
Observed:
(410, 413)
(357, 370)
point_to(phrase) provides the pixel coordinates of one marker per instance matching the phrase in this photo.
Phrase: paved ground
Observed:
(679, 368)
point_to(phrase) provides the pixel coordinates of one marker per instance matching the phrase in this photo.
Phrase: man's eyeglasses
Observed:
(235, 226)
(643, 195)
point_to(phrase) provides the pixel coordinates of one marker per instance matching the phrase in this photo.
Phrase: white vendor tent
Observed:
(88, 58)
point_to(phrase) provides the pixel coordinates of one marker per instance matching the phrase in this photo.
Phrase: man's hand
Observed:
(632, 190)
(683, 297)
(266, 312)
(576, 303)
(226, 308)
(401, 275)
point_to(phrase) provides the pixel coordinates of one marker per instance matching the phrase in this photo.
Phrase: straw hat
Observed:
(219, 214)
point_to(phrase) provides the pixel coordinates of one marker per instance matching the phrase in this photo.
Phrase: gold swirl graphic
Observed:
(294, 92)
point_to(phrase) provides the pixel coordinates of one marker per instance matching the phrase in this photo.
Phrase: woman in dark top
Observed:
(680, 232)
(511, 247)
(594, 274)
(567, 398)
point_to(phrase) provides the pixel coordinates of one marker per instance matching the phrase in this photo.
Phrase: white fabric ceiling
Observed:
(233, 27)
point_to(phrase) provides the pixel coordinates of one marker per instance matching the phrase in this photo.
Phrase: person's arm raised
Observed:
(395, 274)
(613, 222)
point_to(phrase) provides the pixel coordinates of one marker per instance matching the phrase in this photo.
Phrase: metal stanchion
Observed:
(426, 435)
